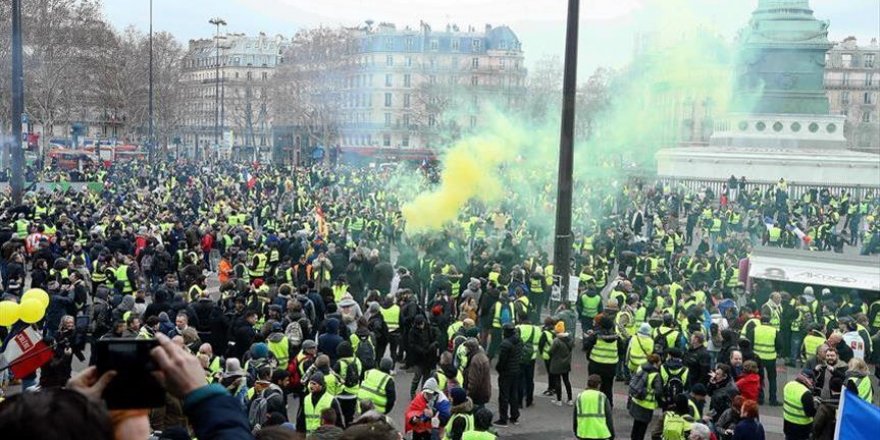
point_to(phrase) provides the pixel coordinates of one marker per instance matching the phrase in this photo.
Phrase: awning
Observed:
(816, 268)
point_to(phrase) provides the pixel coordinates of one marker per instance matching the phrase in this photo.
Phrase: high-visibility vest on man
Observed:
(590, 413)
(260, 268)
(391, 315)
(650, 400)
(313, 410)
(468, 424)
(792, 407)
(640, 347)
(590, 305)
(866, 389)
(122, 275)
(604, 352)
(536, 285)
(344, 365)
(530, 334)
(812, 342)
(281, 350)
(765, 342)
(496, 319)
(373, 388)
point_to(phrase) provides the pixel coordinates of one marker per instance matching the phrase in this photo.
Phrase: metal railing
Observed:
(795, 190)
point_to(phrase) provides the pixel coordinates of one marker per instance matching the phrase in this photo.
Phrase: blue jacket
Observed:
(216, 415)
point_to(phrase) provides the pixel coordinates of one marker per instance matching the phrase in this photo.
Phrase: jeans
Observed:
(508, 397)
(797, 338)
(526, 383)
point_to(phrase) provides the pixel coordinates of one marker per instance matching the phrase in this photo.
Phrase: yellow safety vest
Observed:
(765, 342)
(281, 350)
(496, 320)
(590, 412)
(863, 384)
(650, 400)
(391, 315)
(590, 305)
(812, 343)
(792, 408)
(604, 352)
(373, 388)
(313, 411)
(536, 285)
(640, 347)
(122, 275)
(469, 424)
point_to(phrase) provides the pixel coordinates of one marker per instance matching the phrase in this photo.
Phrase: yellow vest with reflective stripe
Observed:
(530, 334)
(604, 352)
(863, 384)
(121, 273)
(650, 400)
(765, 342)
(373, 388)
(281, 350)
(590, 305)
(792, 407)
(812, 343)
(590, 413)
(313, 411)
(468, 424)
(391, 315)
(640, 347)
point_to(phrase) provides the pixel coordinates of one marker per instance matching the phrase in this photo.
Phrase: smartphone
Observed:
(134, 385)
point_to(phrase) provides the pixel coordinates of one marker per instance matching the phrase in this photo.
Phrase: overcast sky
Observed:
(608, 27)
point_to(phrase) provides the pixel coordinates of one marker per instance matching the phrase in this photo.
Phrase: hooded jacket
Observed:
(422, 343)
(457, 427)
(560, 354)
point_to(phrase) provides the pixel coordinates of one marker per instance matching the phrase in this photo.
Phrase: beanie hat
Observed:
(259, 350)
(318, 378)
(559, 328)
(645, 329)
(458, 395)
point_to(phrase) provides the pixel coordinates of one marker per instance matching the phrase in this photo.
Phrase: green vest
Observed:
(478, 435)
(604, 352)
(260, 270)
(640, 347)
(468, 420)
(313, 411)
(496, 320)
(650, 400)
(536, 285)
(373, 388)
(773, 234)
(590, 305)
(590, 413)
(121, 273)
(811, 344)
(531, 335)
(391, 315)
(675, 426)
(792, 408)
(666, 373)
(765, 342)
(863, 384)
(281, 350)
(344, 364)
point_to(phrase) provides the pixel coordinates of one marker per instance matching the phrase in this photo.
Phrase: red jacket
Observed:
(207, 242)
(416, 409)
(749, 385)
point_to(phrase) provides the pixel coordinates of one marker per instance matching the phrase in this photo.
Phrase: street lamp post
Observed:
(151, 140)
(216, 21)
(17, 178)
(562, 245)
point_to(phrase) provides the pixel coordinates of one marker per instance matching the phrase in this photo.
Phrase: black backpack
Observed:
(673, 385)
(352, 375)
(638, 385)
(366, 353)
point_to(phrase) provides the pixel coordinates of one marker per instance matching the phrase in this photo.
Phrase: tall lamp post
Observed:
(562, 245)
(216, 21)
(151, 141)
(17, 178)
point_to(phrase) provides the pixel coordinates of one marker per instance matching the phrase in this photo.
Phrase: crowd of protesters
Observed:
(300, 296)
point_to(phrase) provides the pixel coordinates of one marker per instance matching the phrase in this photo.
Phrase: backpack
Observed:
(147, 263)
(674, 385)
(294, 334)
(674, 427)
(638, 385)
(505, 314)
(259, 408)
(295, 378)
(366, 353)
(660, 342)
(352, 375)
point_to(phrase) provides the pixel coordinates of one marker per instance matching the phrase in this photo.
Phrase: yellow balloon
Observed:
(38, 294)
(8, 313)
(31, 311)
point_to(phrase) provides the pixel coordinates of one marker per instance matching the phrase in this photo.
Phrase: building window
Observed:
(387, 100)
(844, 97)
(869, 60)
(846, 60)
(389, 60)
(455, 44)
(388, 80)
(389, 43)
(432, 121)
(473, 121)
(409, 43)
(406, 121)
(475, 81)
(432, 79)
(869, 98)
(866, 116)
(435, 44)
(475, 63)
(869, 79)
(845, 79)
(432, 63)
(475, 45)
(408, 61)
(404, 142)
(249, 76)
(406, 100)
(264, 76)
(386, 140)
(387, 119)
(407, 80)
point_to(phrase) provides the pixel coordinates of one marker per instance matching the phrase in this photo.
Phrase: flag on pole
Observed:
(856, 419)
(25, 352)
(249, 179)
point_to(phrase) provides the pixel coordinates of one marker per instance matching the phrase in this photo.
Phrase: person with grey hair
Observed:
(699, 431)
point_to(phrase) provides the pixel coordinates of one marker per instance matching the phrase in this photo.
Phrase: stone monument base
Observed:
(820, 167)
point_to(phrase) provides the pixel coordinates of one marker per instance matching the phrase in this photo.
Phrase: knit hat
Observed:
(559, 328)
(259, 350)
(645, 329)
(431, 386)
(308, 343)
(699, 390)
(318, 378)
(458, 395)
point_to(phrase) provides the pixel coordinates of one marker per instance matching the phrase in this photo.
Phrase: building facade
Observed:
(246, 64)
(852, 82)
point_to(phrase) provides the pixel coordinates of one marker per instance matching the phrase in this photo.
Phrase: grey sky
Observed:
(608, 27)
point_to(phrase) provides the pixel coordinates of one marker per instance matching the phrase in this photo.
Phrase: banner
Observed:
(25, 352)
(856, 419)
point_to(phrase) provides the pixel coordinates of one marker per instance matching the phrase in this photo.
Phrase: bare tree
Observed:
(544, 91)
(308, 87)
(592, 99)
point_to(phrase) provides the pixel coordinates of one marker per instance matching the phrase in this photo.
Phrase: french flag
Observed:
(249, 179)
(25, 352)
